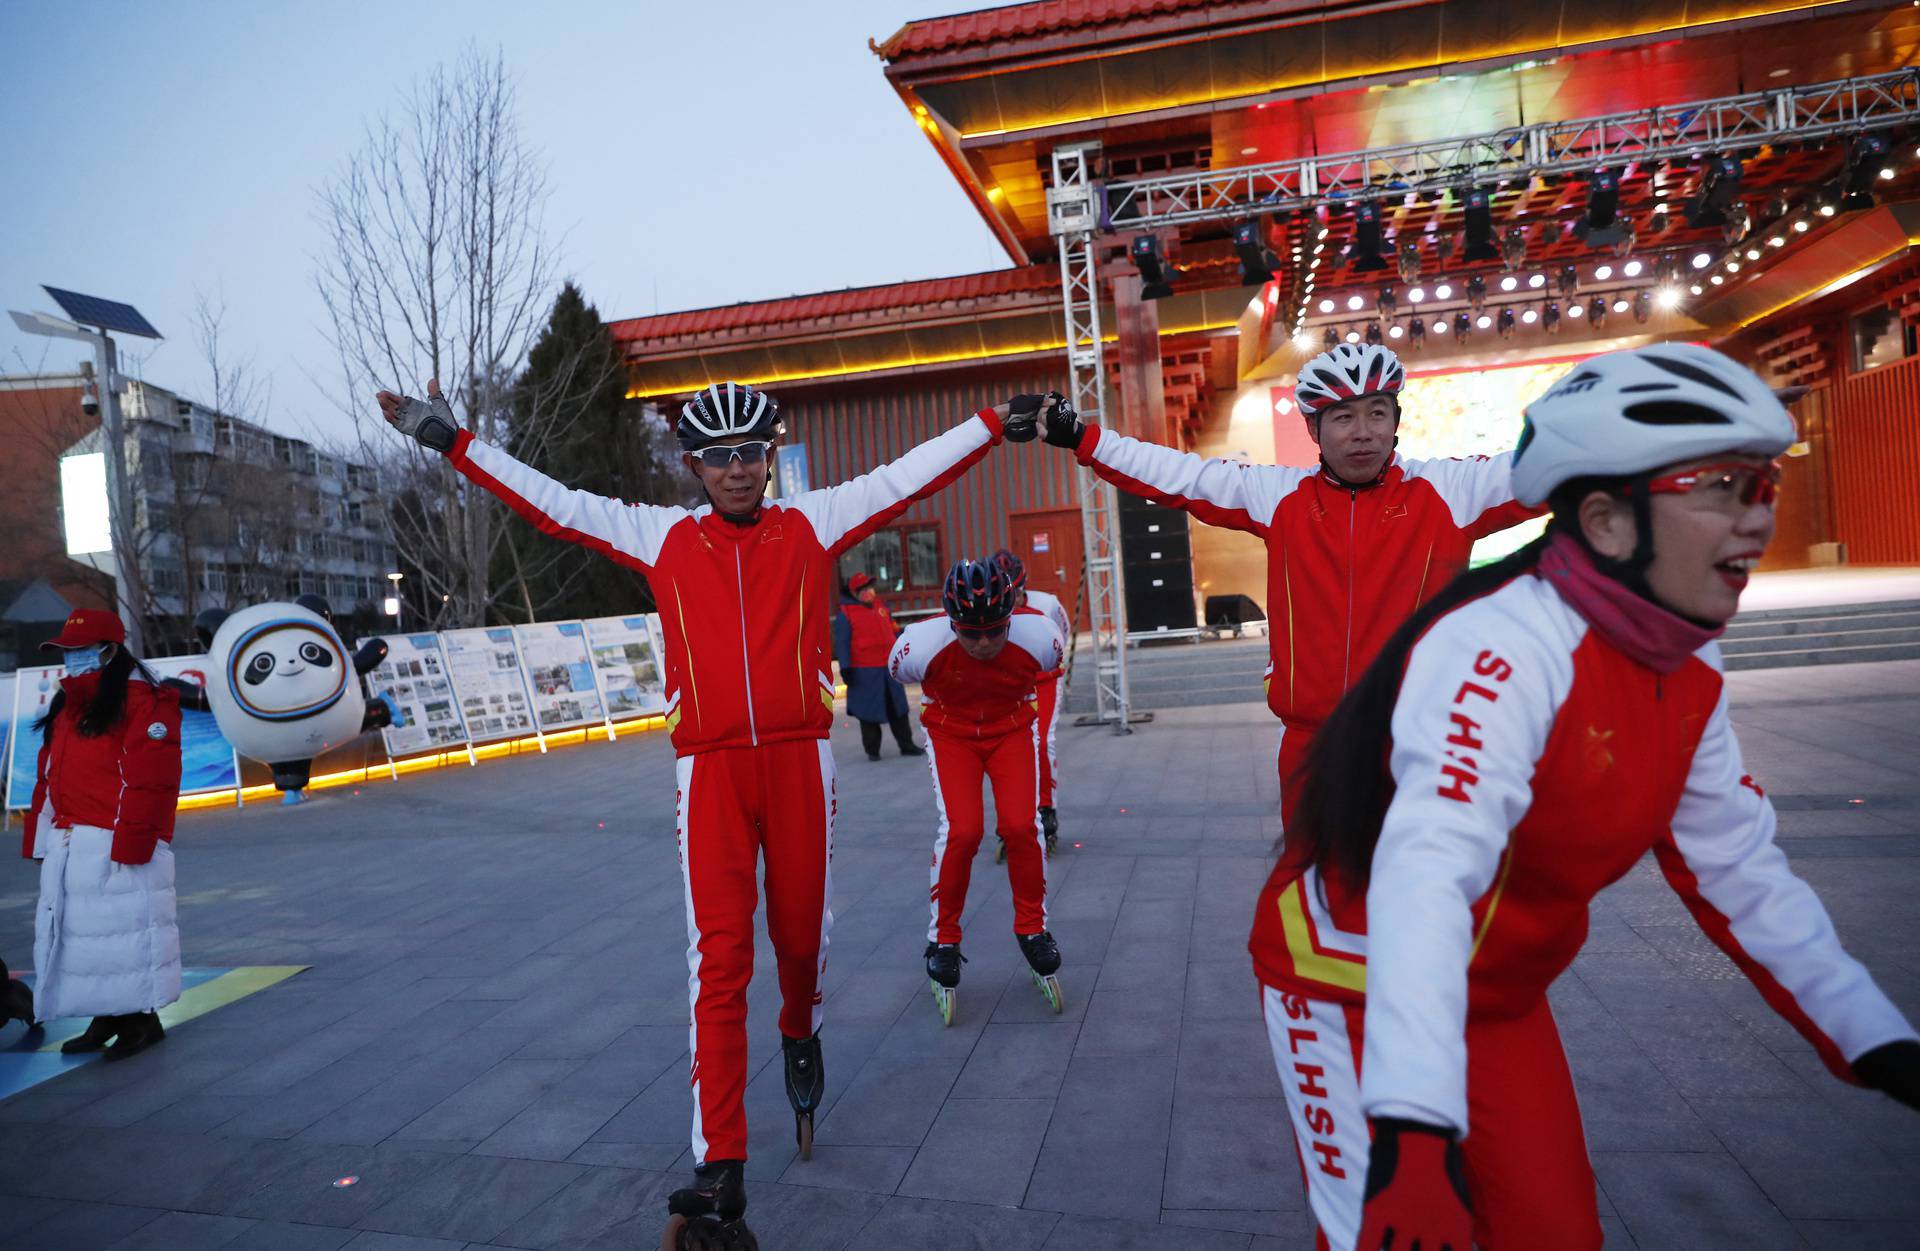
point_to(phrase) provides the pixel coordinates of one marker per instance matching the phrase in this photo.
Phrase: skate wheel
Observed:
(1050, 987)
(943, 998)
(803, 1131)
(670, 1236)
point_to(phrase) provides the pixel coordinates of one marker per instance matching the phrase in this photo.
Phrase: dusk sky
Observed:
(698, 154)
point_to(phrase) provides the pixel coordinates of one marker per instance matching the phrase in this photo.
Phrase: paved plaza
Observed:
(492, 1032)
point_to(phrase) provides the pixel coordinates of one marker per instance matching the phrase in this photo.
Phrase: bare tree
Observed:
(437, 266)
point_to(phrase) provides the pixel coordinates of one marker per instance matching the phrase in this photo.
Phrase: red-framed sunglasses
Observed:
(1749, 483)
(982, 632)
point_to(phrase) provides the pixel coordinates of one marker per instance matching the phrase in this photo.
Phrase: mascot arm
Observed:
(368, 658)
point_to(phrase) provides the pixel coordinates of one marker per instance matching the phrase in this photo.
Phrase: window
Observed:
(1879, 338)
(904, 559)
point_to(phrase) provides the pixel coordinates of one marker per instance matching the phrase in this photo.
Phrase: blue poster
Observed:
(33, 690)
(790, 465)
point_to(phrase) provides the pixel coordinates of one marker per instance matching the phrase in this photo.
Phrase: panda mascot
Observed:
(283, 688)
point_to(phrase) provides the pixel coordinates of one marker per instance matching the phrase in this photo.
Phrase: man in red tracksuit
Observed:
(742, 586)
(977, 668)
(1354, 545)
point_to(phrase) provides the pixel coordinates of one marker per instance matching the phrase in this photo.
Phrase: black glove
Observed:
(430, 422)
(1023, 418)
(1894, 1069)
(1063, 426)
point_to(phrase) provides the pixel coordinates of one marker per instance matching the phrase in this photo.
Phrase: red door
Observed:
(1049, 544)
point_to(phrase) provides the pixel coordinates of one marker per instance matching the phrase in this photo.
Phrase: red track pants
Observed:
(959, 766)
(735, 806)
(1527, 1168)
(1047, 706)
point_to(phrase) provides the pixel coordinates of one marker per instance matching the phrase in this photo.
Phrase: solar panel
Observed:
(91, 310)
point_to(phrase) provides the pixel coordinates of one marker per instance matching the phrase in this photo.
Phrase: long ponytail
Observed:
(1347, 784)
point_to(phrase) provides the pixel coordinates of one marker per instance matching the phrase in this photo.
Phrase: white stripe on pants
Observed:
(1314, 1053)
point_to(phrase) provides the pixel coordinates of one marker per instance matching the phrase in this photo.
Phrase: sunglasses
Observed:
(721, 455)
(1747, 483)
(981, 632)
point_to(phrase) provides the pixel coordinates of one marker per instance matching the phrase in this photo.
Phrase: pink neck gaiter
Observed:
(1650, 634)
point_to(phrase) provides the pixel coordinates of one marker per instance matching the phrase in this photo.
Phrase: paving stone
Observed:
(186, 1231)
(1227, 1152)
(288, 1236)
(1693, 1201)
(942, 1226)
(980, 1151)
(84, 1225)
(1079, 1231)
(1017, 1062)
(471, 1198)
(1105, 1150)
(369, 1240)
(1811, 1163)
(604, 1209)
(875, 1169)
(1295, 1228)
(891, 1103)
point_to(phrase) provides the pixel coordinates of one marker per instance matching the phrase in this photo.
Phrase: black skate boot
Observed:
(943, 973)
(1050, 826)
(806, 1086)
(707, 1216)
(1043, 958)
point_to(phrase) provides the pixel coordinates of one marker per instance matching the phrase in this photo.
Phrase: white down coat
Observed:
(105, 938)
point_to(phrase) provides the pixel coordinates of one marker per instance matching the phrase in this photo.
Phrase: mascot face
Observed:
(283, 685)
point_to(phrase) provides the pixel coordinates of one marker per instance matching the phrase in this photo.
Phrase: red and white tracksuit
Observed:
(1047, 695)
(981, 726)
(746, 615)
(1533, 764)
(1345, 565)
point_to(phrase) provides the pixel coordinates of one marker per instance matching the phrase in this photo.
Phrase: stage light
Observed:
(1256, 262)
(1443, 248)
(1753, 254)
(1321, 233)
(1660, 220)
(1373, 333)
(1355, 303)
(1415, 295)
(1304, 340)
(1505, 323)
(1778, 241)
(1385, 304)
(1602, 272)
(1576, 310)
(1854, 187)
(1394, 331)
(1462, 326)
(1739, 223)
(1509, 283)
(1482, 321)
(1702, 259)
(1631, 269)
(1441, 326)
(1601, 226)
(1642, 306)
(1155, 285)
(1620, 304)
(1826, 209)
(1550, 318)
(1597, 311)
(1536, 281)
(1886, 173)
(1697, 289)
(1530, 316)
(1479, 214)
(1801, 226)
(1326, 305)
(1417, 333)
(1477, 292)
(1666, 269)
(1365, 253)
(1353, 336)
(1668, 299)
(1410, 262)
(1443, 292)
(1719, 184)
(1513, 247)
(1331, 339)
(1717, 280)
(1569, 280)
(1733, 267)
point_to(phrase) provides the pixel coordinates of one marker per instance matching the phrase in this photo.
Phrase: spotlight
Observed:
(1717, 280)
(1602, 272)
(1702, 259)
(1513, 247)
(1462, 326)
(1597, 311)
(1326, 306)
(1622, 304)
(1753, 254)
(1509, 282)
(1697, 289)
(1417, 333)
(1800, 226)
(1353, 336)
(1394, 331)
(1550, 318)
(1739, 223)
(1365, 253)
(1631, 269)
(1719, 184)
(1668, 298)
(1443, 292)
(1256, 262)
(1505, 323)
(1384, 303)
(1441, 326)
(1660, 219)
(1536, 281)
(1410, 262)
(1477, 292)
(1602, 227)
(1530, 316)
(1155, 285)
(1569, 281)
(1373, 333)
(1479, 213)
(1443, 247)
(1642, 306)
(1666, 269)
(1304, 340)
(1355, 303)
(1576, 310)
(1482, 321)
(1331, 339)
(1416, 295)
(1854, 187)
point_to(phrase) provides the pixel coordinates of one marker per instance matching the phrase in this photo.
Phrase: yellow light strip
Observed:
(1828, 288)
(420, 764)
(635, 393)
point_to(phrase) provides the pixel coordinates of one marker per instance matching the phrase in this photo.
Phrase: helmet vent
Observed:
(1675, 413)
(1650, 386)
(1692, 373)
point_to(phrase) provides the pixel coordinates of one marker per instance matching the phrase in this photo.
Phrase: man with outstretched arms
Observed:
(1354, 544)
(742, 585)
(1047, 692)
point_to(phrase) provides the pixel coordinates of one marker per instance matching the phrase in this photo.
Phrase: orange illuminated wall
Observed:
(1874, 458)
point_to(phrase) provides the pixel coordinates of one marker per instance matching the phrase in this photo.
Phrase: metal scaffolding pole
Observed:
(1073, 218)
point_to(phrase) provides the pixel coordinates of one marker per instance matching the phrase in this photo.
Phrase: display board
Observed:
(6, 733)
(560, 673)
(33, 690)
(487, 677)
(415, 674)
(626, 656)
(207, 761)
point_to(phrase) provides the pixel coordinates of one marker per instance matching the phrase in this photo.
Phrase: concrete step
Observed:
(1822, 623)
(1757, 644)
(1796, 657)
(1829, 610)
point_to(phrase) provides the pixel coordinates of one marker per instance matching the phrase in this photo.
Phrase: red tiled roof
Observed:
(826, 304)
(1018, 21)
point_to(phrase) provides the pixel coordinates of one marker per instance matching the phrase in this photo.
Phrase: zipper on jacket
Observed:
(1353, 506)
(746, 665)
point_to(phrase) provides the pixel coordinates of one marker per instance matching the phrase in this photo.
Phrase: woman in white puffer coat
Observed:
(106, 942)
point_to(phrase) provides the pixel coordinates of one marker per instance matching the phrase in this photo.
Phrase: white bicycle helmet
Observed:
(727, 410)
(1627, 413)
(1348, 371)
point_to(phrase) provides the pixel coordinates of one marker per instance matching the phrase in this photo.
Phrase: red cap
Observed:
(87, 626)
(859, 580)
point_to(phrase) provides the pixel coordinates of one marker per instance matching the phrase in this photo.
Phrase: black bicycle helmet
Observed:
(977, 595)
(1010, 565)
(727, 410)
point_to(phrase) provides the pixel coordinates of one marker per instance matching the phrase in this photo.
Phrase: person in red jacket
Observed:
(1518, 744)
(742, 586)
(977, 668)
(863, 634)
(1354, 544)
(1047, 705)
(106, 942)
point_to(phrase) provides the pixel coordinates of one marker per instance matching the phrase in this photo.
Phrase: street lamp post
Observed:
(393, 604)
